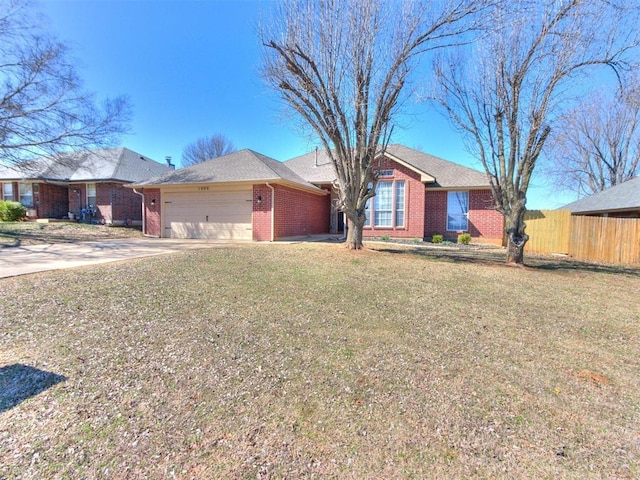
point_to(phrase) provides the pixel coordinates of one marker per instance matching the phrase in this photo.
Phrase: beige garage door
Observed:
(216, 213)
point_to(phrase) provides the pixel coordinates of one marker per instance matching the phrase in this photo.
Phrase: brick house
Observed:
(418, 195)
(241, 196)
(88, 185)
(246, 195)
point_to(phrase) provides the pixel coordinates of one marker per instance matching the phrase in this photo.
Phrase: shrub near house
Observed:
(12, 211)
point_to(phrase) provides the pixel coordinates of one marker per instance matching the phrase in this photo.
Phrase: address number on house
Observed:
(203, 188)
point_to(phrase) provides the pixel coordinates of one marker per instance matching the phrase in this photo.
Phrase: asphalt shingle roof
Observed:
(115, 164)
(625, 196)
(447, 174)
(241, 166)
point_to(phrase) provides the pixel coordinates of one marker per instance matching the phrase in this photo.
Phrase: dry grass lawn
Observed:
(309, 361)
(14, 234)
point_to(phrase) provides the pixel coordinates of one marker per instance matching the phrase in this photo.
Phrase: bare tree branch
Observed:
(508, 91)
(343, 67)
(43, 108)
(206, 148)
(597, 144)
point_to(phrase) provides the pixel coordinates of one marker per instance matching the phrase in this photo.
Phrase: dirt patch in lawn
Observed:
(310, 361)
(14, 234)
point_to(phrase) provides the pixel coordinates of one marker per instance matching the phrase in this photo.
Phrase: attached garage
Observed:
(240, 196)
(209, 212)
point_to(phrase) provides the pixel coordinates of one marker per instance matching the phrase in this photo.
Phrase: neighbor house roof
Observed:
(112, 164)
(316, 167)
(622, 197)
(241, 166)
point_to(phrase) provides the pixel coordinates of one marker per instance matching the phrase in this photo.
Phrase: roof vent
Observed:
(169, 164)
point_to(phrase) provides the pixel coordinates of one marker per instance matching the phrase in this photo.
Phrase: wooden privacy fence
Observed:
(548, 231)
(594, 239)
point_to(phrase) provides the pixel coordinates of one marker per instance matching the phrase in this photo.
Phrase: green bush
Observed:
(386, 238)
(12, 211)
(437, 239)
(464, 238)
(416, 240)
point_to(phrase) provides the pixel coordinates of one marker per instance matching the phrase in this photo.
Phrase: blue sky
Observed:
(191, 69)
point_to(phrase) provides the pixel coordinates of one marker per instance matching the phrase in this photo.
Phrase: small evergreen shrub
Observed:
(437, 239)
(12, 211)
(386, 238)
(464, 238)
(416, 240)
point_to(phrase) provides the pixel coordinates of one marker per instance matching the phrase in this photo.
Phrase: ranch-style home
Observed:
(85, 185)
(248, 196)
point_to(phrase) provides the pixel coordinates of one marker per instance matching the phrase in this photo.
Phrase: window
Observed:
(7, 191)
(400, 203)
(26, 194)
(385, 173)
(387, 207)
(91, 195)
(383, 205)
(458, 211)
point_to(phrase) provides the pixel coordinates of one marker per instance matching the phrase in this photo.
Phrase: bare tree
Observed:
(342, 66)
(506, 93)
(206, 148)
(597, 144)
(43, 108)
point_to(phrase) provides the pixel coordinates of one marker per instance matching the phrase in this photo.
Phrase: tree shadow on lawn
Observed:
(19, 382)
(497, 257)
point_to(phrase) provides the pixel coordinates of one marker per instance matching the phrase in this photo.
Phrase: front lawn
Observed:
(309, 361)
(16, 234)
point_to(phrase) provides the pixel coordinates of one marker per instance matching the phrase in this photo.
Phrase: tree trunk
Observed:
(354, 232)
(516, 237)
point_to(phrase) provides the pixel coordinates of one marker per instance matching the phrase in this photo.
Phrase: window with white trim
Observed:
(91, 195)
(457, 211)
(7, 191)
(399, 203)
(26, 194)
(387, 207)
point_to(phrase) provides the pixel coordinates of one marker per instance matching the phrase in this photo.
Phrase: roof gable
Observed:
(624, 196)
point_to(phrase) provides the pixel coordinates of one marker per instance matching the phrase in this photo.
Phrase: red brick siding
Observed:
(414, 204)
(77, 198)
(53, 201)
(435, 213)
(300, 213)
(152, 212)
(261, 213)
(117, 204)
(485, 223)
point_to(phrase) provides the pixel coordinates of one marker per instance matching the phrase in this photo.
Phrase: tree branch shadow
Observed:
(497, 258)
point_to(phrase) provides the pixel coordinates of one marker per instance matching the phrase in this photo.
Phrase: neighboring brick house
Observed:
(246, 195)
(88, 185)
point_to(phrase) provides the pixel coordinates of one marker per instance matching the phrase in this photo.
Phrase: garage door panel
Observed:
(211, 231)
(218, 214)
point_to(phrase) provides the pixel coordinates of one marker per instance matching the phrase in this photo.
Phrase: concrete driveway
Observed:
(40, 258)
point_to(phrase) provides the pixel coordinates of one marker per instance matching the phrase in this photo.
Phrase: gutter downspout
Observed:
(273, 211)
(144, 216)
